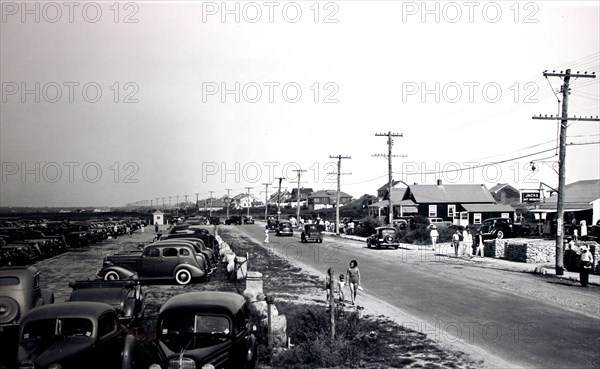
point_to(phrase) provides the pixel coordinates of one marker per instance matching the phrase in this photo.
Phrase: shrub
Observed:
(367, 227)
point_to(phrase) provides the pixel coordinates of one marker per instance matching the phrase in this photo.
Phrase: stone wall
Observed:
(531, 250)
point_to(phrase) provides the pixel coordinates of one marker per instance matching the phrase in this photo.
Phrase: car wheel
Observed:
(500, 234)
(183, 276)
(321, 240)
(368, 244)
(9, 310)
(112, 276)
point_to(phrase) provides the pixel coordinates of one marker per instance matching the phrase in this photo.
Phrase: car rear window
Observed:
(9, 281)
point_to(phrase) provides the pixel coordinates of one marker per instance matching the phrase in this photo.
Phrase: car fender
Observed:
(196, 272)
(47, 296)
(128, 353)
(124, 273)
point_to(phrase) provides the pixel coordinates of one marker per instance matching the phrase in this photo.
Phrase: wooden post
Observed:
(269, 300)
(332, 304)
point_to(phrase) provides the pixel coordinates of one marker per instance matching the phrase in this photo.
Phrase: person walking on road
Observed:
(467, 242)
(353, 280)
(434, 234)
(341, 287)
(585, 266)
(267, 233)
(456, 242)
(155, 227)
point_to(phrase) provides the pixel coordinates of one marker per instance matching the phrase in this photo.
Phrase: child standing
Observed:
(341, 286)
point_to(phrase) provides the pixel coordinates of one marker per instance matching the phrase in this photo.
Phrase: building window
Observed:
(451, 211)
(464, 216)
(432, 211)
(477, 218)
(504, 215)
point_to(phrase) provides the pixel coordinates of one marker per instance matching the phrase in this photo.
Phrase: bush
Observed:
(367, 227)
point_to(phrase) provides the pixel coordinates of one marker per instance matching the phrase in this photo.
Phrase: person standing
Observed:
(155, 227)
(583, 231)
(341, 286)
(266, 233)
(585, 266)
(434, 234)
(456, 242)
(467, 242)
(328, 283)
(479, 244)
(353, 279)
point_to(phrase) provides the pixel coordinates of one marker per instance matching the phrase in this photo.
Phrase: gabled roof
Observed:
(385, 186)
(397, 194)
(328, 193)
(453, 193)
(578, 193)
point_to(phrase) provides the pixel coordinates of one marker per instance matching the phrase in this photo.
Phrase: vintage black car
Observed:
(126, 297)
(20, 292)
(383, 237)
(234, 219)
(160, 260)
(205, 328)
(248, 219)
(312, 232)
(272, 224)
(284, 229)
(502, 228)
(75, 335)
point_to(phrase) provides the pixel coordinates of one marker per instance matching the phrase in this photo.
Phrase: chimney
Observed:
(439, 182)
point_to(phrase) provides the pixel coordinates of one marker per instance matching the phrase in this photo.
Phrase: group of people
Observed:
(351, 279)
(464, 248)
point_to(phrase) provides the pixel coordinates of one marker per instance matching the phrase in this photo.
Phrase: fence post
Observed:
(332, 304)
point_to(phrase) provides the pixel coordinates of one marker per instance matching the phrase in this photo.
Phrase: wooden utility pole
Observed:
(299, 171)
(332, 304)
(210, 204)
(337, 201)
(279, 199)
(562, 153)
(249, 201)
(390, 142)
(266, 198)
(227, 201)
(197, 208)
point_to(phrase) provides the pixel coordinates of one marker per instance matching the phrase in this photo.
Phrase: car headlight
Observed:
(55, 366)
(154, 366)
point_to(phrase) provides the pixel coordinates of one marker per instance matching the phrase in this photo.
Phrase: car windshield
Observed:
(385, 232)
(312, 227)
(195, 323)
(47, 329)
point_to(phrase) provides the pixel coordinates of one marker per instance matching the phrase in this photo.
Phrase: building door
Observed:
(464, 218)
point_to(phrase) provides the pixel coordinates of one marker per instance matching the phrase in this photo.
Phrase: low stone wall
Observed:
(530, 250)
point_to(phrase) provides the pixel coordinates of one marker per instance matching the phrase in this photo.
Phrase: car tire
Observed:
(112, 276)
(368, 244)
(9, 310)
(500, 234)
(183, 277)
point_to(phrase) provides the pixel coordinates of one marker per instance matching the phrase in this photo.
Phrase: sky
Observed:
(110, 103)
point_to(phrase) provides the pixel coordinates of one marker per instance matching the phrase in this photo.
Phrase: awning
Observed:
(487, 208)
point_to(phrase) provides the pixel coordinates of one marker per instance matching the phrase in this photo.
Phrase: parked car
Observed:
(312, 232)
(284, 229)
(248, 219)
(74, 335)
(234, 219)
(20, 292)
(205, 330)
(272, 224)
(502, 228)
(126, 297)
(179, 261)
(383, 236)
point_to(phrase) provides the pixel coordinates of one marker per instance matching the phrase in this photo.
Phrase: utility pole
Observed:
(249, 201)
(299, 171)
(163, 203)
(562, 153)
(266, 198)
(390, 142)
(337, 201)
(227, 201)
(197, 207)
(279, 199)
(210, 204)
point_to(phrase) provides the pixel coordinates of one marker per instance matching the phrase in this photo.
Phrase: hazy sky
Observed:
(107, 103)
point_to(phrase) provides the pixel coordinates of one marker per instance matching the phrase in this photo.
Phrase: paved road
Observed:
(459, 301)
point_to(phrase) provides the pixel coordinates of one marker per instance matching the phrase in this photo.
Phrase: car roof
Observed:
(385, 228)
(18, 271)
(205, 300)
(79, 309)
